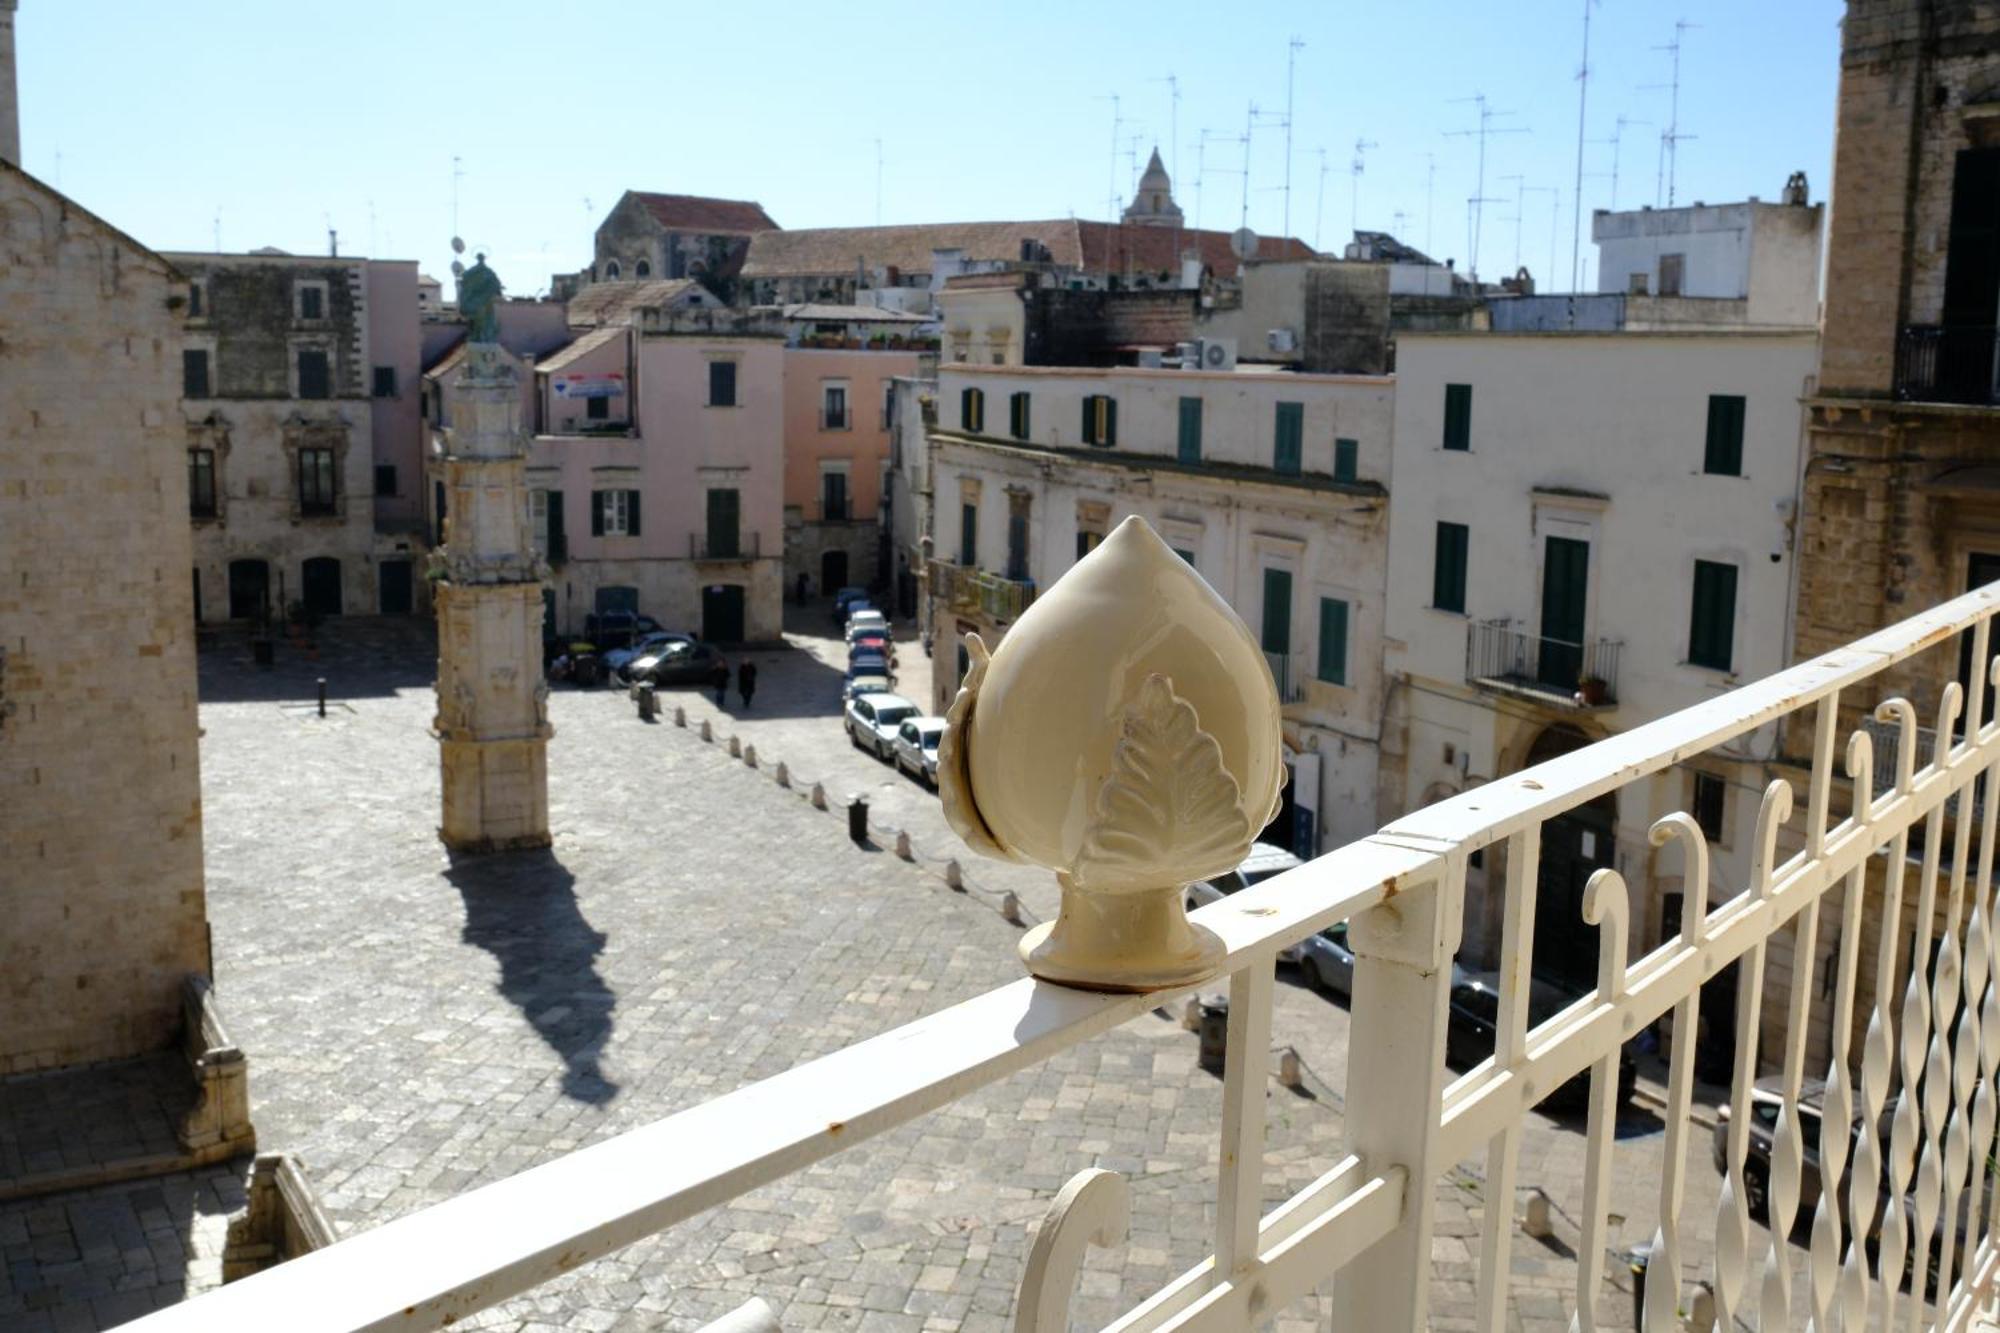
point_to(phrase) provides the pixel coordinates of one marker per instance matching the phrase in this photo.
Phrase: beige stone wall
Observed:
(101, 900)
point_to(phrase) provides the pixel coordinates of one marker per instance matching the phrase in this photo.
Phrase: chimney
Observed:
(10, 102)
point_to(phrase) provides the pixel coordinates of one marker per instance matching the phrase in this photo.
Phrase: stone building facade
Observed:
(301, 396)
(648, 235)
(97, 677)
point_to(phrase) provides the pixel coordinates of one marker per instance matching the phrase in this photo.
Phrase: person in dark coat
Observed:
(746, 680)
(720, 679)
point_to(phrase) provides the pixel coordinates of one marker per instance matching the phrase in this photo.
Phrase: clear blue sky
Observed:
(280, 115)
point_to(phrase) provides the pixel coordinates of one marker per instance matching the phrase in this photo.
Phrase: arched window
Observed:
(642, 270)
(611, 270)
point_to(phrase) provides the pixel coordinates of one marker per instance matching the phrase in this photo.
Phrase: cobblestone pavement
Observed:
(416, 1028)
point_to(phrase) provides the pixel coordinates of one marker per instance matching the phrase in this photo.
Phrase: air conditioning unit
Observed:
(1187, 355)
(1280, 341)
(1150, 358)
(1218, 354)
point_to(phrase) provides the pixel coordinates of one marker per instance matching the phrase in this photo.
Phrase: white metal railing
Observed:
(1932, 1030)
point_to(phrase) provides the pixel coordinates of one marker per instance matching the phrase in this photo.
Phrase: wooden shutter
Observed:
(1346, 460)
(1333, 640)
(1712, 627)
(1277, 635)
(1190, 440)
(1458, 416)
(1290, 442)
(597, 513)
(1089, 435)
(1448, 574)
(1723, 455)
(1110, 420)
(631, 513)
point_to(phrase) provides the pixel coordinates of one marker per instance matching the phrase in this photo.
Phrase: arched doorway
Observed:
(249, 589)
(832, 572)
(319, 586)
(1575, 846)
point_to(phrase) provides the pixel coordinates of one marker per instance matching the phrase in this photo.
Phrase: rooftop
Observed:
(1072, 243)
(699, 213)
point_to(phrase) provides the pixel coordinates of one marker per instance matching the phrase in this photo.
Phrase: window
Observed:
(1346, 460)
(833, 495)
(538, 518)
(1711, 794)
(1724, 455)
(1017, 543)
(1458, 416)
(614, 513)
(972, 410)
(201, 483)
(968, 534)
(1277, 628)
(385, 479)
(834, 407)
(1017, 415)
(1290, 439)
(1333, 640)
(888, 404)
(1185, 555)
(312, 300)
(1448, 573)
(1087, 540)
(1638, 284)
(316, 481)
(1100, 420)
(1190, 433)
(722, 384)
(642, 269)
(313, 379)
(1671, 269)
(612, 273)
(194, 372)
(385, 381)
(1712, 627)
(597, 408)
(725, 521)
(197, 300)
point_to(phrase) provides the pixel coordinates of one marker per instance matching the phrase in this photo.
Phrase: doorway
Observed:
(722, 613)
(1575, 845)
(398, 588)
(1565, 582)
(319, 586)
(832, 572)
(249, 590)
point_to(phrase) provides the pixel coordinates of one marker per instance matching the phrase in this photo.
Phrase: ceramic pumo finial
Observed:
(1126, 736)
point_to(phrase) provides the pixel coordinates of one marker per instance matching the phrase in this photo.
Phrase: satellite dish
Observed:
(457, 246)
(457, 269)
(1243, 243)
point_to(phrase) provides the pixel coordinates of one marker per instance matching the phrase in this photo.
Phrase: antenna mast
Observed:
(1671, 136)
(1477, 203)
(1111, 180)
(1516, 219)
(1319, 209)
(1292, 49)
(1555, 207)
(1361, 146)
(1576, 209)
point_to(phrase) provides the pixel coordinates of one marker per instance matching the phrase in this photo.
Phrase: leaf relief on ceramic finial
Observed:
(954, 772)
(1169, 812)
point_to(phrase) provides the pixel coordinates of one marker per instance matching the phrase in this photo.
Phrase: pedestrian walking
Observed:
(746, 680)
(720, 679)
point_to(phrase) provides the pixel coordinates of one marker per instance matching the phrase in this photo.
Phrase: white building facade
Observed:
(1273, 486)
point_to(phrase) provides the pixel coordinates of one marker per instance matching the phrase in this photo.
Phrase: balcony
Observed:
(555, 548)
(969, 591)
(1288, 673)
(1831, 840)
(1550, 671)
(832, 510)
(725, 545)
(1948, 365)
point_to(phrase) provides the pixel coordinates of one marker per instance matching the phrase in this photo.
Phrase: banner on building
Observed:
(590, 386)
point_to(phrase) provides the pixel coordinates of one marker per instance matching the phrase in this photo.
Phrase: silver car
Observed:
(917, 747)
(1326, 962)
(872, 720)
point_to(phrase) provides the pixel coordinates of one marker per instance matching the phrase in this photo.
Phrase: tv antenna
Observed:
(1615, 139)
(1111, 180)
(1671, 136)
(1516, 219)
(1201, 169)
(1173, 123)
(1476, 204)
(1361, 147)
(1293, 46)
(1249, 131)
(1555, 206)
(218, 229)
(1576, 209)
(1319, 209)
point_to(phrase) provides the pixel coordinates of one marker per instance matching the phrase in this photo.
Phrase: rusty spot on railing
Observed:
(1260, 911)
(836, 1127)
(1531, 784)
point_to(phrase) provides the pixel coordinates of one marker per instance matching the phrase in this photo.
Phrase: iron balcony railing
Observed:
(836, 511)
(968, 590)
(1948, 365)
(1579, 674)
(1288, 674)
(725, 545)
(1899, 1178)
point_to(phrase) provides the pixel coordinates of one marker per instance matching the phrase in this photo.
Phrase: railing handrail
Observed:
(446, 1261)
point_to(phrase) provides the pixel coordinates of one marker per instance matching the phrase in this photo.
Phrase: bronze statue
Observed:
(478, 292)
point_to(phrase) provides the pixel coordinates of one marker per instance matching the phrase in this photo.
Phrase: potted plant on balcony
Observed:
(1592, 690)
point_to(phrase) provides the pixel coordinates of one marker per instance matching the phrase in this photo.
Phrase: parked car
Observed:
(844, 599)
(856, 686)
(873, 719)
(917, 747)
(867, 662)
(1326, 962)
(877, 639)
(865, 618)
(682, 662)
(646, 645)
(1474, 1019)
(1265, 860)
(618, 629)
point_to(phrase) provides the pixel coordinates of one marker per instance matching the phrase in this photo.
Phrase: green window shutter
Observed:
(1346, 460)
(968, 535)
(555, 505)
(1185, 555)
(722, 384)
(1458, 416)
(1089, 435)
(1333, 640)
(1190, 440)
(1724, 453)
(1448, 574)
(1712, 627)
(1110, 420)
(597, 513)
(1277, 635)
(631, 513)
(1291, 428)
(965, 409)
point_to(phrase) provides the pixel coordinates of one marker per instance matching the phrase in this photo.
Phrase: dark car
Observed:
(845, 599)
(1474, 1019)
(617, 629)
(868, 662)
(679, 663)
(876, 639)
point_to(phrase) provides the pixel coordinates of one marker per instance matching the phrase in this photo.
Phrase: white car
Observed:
(647, 645)
(872, 721)
(869, 619)
(866, 684)
(1264, 861)
(917, 747)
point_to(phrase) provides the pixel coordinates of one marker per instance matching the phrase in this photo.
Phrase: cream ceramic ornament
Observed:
(1125, 735)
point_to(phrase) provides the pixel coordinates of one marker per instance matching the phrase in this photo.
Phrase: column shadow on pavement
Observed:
(521, 907)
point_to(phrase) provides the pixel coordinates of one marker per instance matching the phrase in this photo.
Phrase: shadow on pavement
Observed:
(521, 907)
(359, 656)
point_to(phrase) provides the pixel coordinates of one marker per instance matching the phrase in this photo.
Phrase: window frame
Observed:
(832, 415)
(1722, 447)
(1448, 583)
(1346, 460)
(1100, 420)
(616, 506)
(723, 369)
(1020, 410)
(325, 355)
(196, 508)
(316, 288)
(1188, 414)
(1457, 418)
(972, 409)
(968, 534)
(1704, 787)
(1346, 622)
(1713, 626)
(392, 379)
(318, 464)
(207, 364)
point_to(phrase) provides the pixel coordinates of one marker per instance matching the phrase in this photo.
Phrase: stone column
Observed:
(492, 719)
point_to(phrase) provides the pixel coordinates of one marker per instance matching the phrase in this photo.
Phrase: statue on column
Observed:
(478, 293)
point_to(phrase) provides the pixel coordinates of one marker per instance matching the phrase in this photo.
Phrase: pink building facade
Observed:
(836, 459)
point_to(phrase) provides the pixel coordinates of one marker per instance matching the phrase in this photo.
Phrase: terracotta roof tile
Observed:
(1071, 242)
(614, 302)
(695, 213)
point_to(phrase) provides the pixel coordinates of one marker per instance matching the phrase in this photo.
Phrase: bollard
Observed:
(857, 817)
(784, 775)
(750, 756)
(1535, 1216)
(735, 748)
(819, 797)
(649, 704)
(1010, 908)
(1191, 1013)
(707, 732)
(954, 878)
(1214, 1029)
(1291, 1070)
(903, 848)
(322, 696)
(680, 716)
(1638, 1261)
